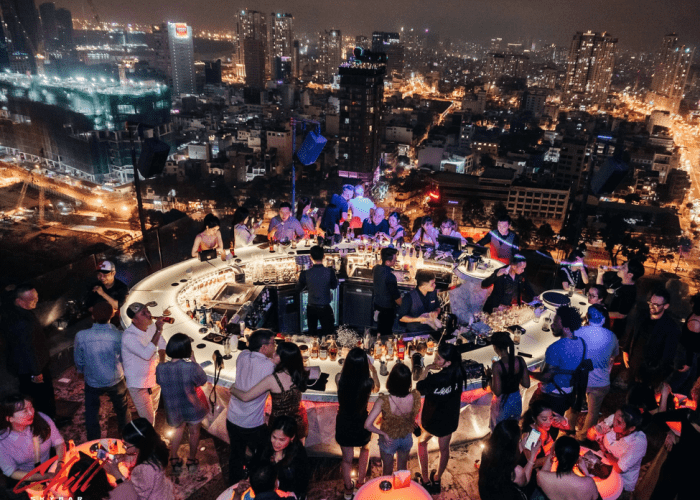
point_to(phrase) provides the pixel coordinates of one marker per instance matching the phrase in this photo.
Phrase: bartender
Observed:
(284, 226)
(420, 307)
(503, 241)
(509, 285)
(210, 238)
(320, 281)
(376, 225)
(386, 292)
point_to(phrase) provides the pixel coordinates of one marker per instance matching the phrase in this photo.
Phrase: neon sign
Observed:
(181, 30)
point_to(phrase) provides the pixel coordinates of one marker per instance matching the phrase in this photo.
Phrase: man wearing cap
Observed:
(107, 289)
(98, 356)
(509, 285)
(142, 347)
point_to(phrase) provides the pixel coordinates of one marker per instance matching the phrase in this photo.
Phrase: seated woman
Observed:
(149, 455)
(396, 231)
(285, 386)
(449, 228)
(306, 216)
(288, 455)
(399, 411)
(426, 234)
(622, 443)
(376, 225)
(243, 235)
(26, 438)
(420, 307)
(573, 272)
(210, 238)
(564, 484)
(500, 476)
(541, 418)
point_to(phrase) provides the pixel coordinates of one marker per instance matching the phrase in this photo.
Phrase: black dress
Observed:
(443, 396)
(350, 422)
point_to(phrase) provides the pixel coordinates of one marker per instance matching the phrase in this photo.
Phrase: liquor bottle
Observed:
(390, 349)
(314, 349)
(189, 310)
(272, 245)
(323, 351)
(378, 349)
(431, 347)
(332, 349)
(400, 348)
(367, 340)
(410, 348)
(233, 249)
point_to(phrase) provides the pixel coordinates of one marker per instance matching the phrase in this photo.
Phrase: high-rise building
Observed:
(670, 75)
(589, 67)
(181, 48)
(64, 29)
(23, 30)
(330, 49)
(361, 95)
(572, 167)
(281, 38)
(161, 61)
(506, 64)
(47, 11)
(390, 44)
(252, 46)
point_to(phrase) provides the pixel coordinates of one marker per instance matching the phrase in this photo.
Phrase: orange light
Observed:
(434, 196)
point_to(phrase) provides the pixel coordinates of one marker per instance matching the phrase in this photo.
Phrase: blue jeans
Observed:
(391, 446)
(117, 394)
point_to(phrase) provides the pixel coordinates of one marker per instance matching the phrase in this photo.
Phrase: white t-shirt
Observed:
(361, 206)
(629, 451)
(251, 368)
(140, 356)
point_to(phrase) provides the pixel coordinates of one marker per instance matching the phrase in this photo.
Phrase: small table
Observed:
(577, 300)
(371, 490)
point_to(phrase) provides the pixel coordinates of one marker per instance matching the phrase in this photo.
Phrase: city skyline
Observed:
(638, 25)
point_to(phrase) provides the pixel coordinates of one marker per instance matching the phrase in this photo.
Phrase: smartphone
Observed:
(101, 453)
(532, 439)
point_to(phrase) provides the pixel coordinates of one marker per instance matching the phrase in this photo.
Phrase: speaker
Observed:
(311, 148)
(154, 154)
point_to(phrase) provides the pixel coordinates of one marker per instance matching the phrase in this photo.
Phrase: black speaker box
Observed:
(154, 154)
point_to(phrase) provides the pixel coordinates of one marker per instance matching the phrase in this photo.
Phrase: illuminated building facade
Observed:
(361, 96)
(23, 31)
(589, 68)
(282, 45)
(390, 44)
(181, 48)
(670, 75)
(506, 64)
(77, 126)
(252, 46)
(330, 55)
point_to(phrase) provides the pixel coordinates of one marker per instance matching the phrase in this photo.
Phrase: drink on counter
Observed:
(400, 348)
(315, 349)
(323, 351)
(431, 347)
(389, 349)
(333, 349)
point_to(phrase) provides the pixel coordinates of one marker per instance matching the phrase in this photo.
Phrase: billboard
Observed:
(181, 30)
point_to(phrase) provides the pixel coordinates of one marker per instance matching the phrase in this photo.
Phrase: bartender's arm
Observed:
(485, 240)
(494, 276)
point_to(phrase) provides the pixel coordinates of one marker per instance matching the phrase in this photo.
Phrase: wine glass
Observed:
(227, 348)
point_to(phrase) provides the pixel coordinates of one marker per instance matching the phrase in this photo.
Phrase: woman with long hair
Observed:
(242, 234)
(564, 484)
(355, 382)
(147, 457)
(507, 375)
(540, 417)
(288, 455)
(285, 386)
(181, 379)
(210, 237)
(500, 476)
(440, 417)
(26, 438)
(396, 231)
(399, 411)
(426, 234)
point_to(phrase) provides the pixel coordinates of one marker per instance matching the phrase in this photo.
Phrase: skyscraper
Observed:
(589, 67)
(670, 74)
(252, 46)
(390, 44)
(23, 30)
(330, 49)
(281, 43)
(181, 58)
(361, 94)
(64, 29)
(47, 11)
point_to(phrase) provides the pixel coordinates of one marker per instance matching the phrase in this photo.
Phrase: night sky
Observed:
(638, 24)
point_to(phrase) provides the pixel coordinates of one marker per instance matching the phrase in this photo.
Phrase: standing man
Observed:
(503, 241)
(107, 289)
(650, 347)
(285, 226)
(319, 280)
(143, 346)
(245, 421)
(560, 360)
(509, 285)
(98, 355)
(27, 349)
(420, 307)
(624, 296)
(337, 211)
(601, 348)
(386, 292)
(360, 207)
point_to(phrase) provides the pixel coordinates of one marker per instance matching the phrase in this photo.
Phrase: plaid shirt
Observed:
(179, 380)
(98, 354)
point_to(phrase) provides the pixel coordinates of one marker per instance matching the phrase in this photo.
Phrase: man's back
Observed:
(601, 345)
(26, 343)
(98, 355)
(564, 355)
(251, 368)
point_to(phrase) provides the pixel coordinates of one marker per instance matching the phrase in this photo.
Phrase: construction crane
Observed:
(21, 195)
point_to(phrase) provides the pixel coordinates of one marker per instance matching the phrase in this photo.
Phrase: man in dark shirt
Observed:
(27, 349)
(504, 243)
(386, 292)
(651, 345)
(420, 306)
(376, 225)
(319, 280)
(509, 285)
(337, 211)
(107, 289)
(624, 295)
